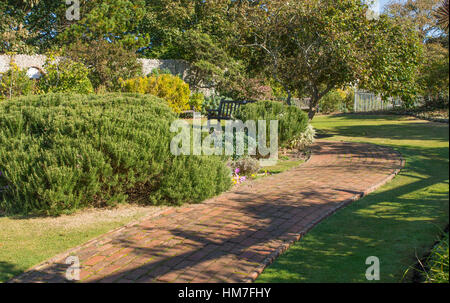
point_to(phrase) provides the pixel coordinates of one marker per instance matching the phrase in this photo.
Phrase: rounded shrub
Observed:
(62, 152)
(65, 76)
(196, 101)
(292, 121)
(168, 87)
(331, 102)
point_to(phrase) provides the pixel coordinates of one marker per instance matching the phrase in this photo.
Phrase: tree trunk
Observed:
(312, 112)
(288, 100)
(313, 103)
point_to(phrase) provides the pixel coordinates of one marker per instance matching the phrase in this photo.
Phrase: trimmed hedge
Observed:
(60, 153)
(292, 121)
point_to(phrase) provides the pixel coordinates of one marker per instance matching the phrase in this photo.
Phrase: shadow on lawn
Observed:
(409, 131)
(8, 270)
(388, 224)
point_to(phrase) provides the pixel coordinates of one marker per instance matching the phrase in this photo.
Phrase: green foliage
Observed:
(438, 263)
(338, 100)
(158, 71)
(313, 47)
(211, 102)
(434, 70)
(210, 63)
(112, 20)
(196, 101)
(192, 179)
(442, 14)
(14, 36)
(65, 76)
(168, 87)
(394, 62)
(331, 102)
(292, 121)
(441, 101)
(15, 82)
(107, 63)
(64, 152)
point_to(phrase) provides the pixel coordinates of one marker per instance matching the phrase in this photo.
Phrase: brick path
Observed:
(233, 237)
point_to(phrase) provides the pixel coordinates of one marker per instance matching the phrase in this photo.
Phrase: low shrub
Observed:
(196, 101)
(305, 140)
(247, 166)
(436, 102)
(254, 90)
(211, 102)
(63, 152)
(15, 82)
(65, 76)
(338, 101)
(168, 87)
(292, 121)
(349, 101)
(331, 102)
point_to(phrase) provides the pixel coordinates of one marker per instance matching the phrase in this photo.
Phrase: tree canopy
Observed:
(304, 48)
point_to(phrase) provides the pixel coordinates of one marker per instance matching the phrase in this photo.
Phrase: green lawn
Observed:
(397, 223)
(25, 242)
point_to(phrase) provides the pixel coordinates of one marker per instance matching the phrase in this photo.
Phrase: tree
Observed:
(434, 69)
(107, 62)
(314, 47)
(418, 14)
(112, 20)
(14, 35)
(442, 15)
(393, 66)
(115, 21)
(427, 17)
(199, 32)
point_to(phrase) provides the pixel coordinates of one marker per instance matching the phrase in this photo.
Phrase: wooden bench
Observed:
(226, 110)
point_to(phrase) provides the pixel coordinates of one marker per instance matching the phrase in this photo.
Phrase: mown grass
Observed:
(282, 166)
(25, 242)
(398, 223)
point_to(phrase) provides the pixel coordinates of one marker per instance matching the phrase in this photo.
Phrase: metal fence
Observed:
(369, 102)
(363, 102)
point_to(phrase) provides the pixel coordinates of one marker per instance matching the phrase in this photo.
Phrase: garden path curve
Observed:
(232, 237)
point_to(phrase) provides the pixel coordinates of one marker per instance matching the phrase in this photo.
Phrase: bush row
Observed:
(63, 152)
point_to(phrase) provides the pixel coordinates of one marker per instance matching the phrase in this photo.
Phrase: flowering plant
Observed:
(238, 179)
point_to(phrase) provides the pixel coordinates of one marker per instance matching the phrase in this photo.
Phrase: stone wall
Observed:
(176, 67)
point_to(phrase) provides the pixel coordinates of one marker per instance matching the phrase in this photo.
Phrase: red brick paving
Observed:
(233, 237)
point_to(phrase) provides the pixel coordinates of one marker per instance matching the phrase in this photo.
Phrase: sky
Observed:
(382, 3)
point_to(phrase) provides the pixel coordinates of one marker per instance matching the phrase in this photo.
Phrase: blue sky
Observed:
(383, 3)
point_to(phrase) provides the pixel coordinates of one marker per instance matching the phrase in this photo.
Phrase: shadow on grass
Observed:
(387, 224)
(8, 270)
(410, 131)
